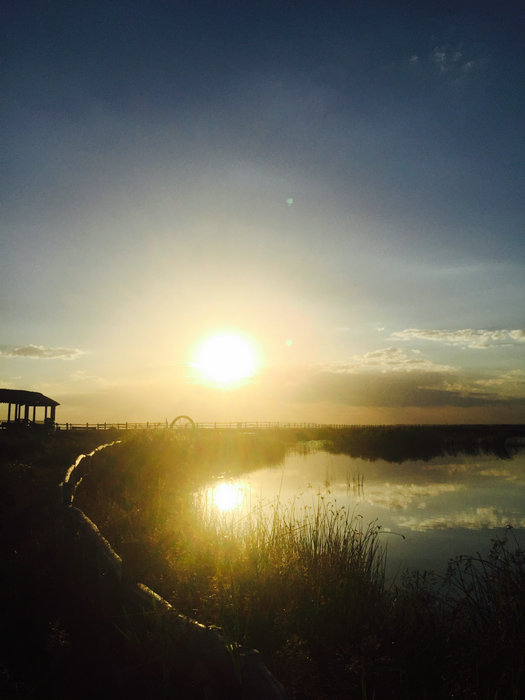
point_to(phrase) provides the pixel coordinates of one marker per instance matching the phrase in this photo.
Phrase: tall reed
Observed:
(304, 582)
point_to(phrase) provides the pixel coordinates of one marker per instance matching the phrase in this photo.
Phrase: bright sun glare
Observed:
(226, 358)
(227, 496)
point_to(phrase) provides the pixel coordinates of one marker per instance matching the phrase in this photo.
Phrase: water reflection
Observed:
(224, 503)
(227, 495)
(444, 507)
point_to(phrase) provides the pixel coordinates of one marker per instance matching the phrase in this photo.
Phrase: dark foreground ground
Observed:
(50, 646)
(67, 630)
(60, 640)
(60, 635)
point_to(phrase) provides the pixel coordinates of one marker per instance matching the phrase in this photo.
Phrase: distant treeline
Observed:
(397, 443)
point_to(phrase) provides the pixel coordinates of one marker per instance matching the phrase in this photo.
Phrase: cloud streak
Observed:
(479, 339)
(388, 360)
(393, 378)
(414, 389)
(402, 496)
(445, 59)
(474, 519)
(40, 352)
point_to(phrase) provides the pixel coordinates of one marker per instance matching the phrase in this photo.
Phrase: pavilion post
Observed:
(24, 406)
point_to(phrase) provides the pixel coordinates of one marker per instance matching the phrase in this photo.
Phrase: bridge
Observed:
(23, 406)
(224, 425)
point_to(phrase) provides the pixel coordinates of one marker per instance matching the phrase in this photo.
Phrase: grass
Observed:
(272, 581)
(282, 580)
(305, 585)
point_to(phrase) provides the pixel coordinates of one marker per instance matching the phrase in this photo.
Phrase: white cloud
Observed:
(391, 377)
(439, 58)
(467, 337)
(449, 60)
(469, 470)
(473, 519)
(402, 496)
(388, 360)
(451, 468)
(518, 335)
(39, 352)
(498, 472)
(512, 380)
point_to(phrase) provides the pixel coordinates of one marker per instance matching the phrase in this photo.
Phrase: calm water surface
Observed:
(443, 507)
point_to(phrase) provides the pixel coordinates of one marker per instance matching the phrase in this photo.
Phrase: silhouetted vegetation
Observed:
(396, 443)
(306, 587)
(45, 630)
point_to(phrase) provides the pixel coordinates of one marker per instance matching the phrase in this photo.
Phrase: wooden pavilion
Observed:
(19, 404)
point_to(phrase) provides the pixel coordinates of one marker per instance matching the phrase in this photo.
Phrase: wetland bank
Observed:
(304, 582)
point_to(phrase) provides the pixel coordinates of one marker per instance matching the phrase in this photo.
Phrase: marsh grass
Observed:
(304, 583)
(304, 562)
(298, 582)
(487, 605)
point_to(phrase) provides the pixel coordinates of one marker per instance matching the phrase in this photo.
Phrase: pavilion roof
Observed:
(26, 398)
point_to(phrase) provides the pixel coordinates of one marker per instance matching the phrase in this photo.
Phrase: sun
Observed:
(226, 358)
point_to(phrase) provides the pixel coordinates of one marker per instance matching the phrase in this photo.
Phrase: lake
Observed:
(429, 511)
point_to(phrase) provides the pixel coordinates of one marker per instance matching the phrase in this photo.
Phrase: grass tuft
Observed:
(305, 584)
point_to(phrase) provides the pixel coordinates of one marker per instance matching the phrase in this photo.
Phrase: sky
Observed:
(339, 183)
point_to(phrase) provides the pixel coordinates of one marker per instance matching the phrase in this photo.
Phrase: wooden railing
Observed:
(232, 425)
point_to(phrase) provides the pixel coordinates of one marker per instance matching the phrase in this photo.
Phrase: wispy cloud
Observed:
(467, 337)
(391, 377)
(445, 60)
(40, 352)
(512, 381)
(388, 360)
(402, 496)
(474, 519)
(393, 389)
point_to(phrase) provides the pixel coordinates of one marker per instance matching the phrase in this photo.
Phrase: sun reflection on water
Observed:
(228, 496)
(223, 498)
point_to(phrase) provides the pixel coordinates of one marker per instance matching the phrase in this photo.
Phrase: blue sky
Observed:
(345, 176)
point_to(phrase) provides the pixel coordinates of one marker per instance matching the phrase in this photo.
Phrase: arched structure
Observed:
(182, 422)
